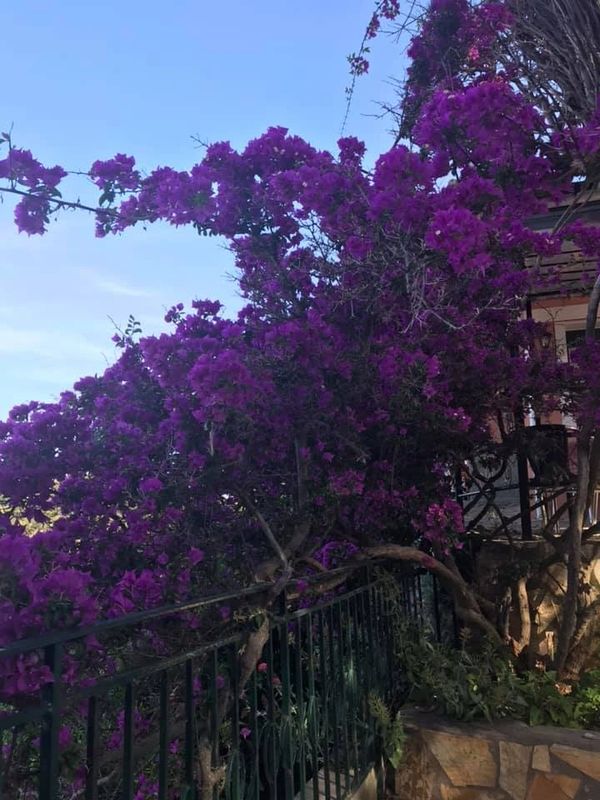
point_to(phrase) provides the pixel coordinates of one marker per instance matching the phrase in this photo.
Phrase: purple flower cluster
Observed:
(117, 174)
(21, 171)
(442, 525)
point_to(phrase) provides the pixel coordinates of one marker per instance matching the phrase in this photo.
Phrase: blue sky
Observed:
(95, 78)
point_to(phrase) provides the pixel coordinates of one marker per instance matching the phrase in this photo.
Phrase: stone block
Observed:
(415, 778)
(541, 758)
(514, 767)
(583, 760)
(568, 785)
(542, 788)
(467, 761)
(469, 793)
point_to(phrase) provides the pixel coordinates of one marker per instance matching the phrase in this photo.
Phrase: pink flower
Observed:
(64, 737)
(151, 485)
(262, 666)
(195, 556)
(245, 732)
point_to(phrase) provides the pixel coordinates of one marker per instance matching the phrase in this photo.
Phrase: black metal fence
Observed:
(157, 706)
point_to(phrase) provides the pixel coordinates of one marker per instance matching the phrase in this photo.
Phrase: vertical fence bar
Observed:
(385, 639)
(91, 760)
(235, 723)
(382, 648)
(420, 596)
(403, 594)
(2, 763)
(163, 737)
(382, 639)
(271, 717)
(342, 694)
(368, 641)
(377, 635)
(410, 592)
(49, 748)
(254, 737)
(455, 625)
(388, 606)
(189, 729)
(300, 710)
(523, 476)
(436, 610)
(368, 622)
(350, 686)
(334, 701)
(214, 714)
(325, 704)
(128, 728)
(288, 767)
(408, 600)
(415, 585)
(313, 710)
(356, 700)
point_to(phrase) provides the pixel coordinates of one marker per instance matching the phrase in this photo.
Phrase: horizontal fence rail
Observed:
(158, 706)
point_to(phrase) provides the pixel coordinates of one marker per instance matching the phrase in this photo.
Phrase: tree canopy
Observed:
(383, 330)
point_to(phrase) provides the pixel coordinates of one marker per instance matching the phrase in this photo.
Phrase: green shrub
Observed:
(587, 700)
(481, 682)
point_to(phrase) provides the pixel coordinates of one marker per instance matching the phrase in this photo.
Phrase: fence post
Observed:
(286, 679)
(49, 746)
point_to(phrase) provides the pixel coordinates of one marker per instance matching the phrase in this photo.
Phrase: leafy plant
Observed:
(390, 728)
(587, 700)
(482, 683)
(546, 701)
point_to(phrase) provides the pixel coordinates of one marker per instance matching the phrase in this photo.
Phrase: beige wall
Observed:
(561, 315)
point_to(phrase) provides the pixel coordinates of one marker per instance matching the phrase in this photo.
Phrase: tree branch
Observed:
(466, 603)
(266, 528)
(524, 639)
(59, 202)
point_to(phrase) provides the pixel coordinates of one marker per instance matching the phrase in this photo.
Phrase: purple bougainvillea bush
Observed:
(383, 329)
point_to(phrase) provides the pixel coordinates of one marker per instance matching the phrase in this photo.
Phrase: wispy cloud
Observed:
(105, 283)
(47, 344)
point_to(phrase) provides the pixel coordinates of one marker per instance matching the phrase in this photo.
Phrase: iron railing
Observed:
(155, 705)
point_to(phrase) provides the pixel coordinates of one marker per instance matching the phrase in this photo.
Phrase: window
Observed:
(575, 338)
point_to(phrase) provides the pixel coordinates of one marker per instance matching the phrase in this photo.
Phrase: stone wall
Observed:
(503, 761)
